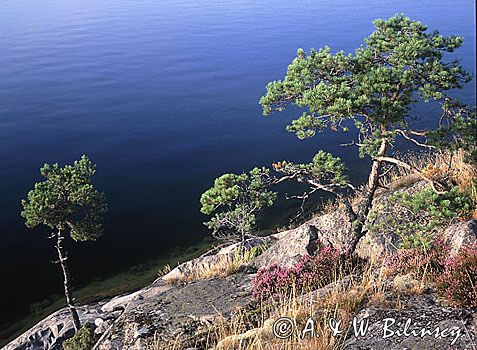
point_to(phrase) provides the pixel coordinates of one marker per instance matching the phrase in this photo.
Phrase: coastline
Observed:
(133, 279)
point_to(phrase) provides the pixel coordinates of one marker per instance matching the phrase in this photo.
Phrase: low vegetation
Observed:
(373, 90)
(253, 330)
(83, 339)
(225, 265)
(458, 283)
(307, 274)
(324, 286)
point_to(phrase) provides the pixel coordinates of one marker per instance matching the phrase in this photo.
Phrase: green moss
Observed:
(82, 340)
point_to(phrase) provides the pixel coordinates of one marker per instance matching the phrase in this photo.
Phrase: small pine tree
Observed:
(235, 201)
(374, 89)
(67, 202)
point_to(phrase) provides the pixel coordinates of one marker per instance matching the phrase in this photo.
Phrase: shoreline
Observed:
(127, 281)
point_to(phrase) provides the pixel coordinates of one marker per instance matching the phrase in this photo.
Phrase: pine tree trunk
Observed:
(66, 281)
(357, 227)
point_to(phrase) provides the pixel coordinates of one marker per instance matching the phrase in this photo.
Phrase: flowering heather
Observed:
(270, 280)
(417, 260)
(458, 283)
(308, 273)
(313, 271)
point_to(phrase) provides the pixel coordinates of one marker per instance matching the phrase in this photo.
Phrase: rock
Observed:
(239, 340)
(186, 270)
(98, 322)
(332, 229)
(319, 293)
(378, 244)
(405, 283)
(177, 313)
(460, 235)
(102, 327)
(142, 332)
(49, 333)
(119, 302)
(291, 245)
(164, 312)
(420, 312)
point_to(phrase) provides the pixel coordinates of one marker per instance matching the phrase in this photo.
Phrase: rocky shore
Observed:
(178, 308)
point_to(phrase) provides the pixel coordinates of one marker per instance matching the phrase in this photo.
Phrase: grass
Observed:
(445, 166)
(254, 332)
(240, 333)
(339, 302)
(224, 266)
(253, 329)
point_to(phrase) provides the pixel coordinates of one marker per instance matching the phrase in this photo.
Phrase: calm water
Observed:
(163, 96)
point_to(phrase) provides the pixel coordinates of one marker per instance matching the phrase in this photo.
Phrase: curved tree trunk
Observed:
(66, 280)
(357, 227)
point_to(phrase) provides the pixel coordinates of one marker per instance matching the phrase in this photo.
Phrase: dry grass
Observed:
(225, 265)
(446, 166)
(339, 303)
(164, 271)
(255, 332)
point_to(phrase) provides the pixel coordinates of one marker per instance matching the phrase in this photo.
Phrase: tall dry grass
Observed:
(448, 167)
(338, 302)
(225, 265)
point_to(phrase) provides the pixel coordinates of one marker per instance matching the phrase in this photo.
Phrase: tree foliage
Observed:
(67, 199)
(373, 89)
(400, 64)
(323, 169)
(235, 200)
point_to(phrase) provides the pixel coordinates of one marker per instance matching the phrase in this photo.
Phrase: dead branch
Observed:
(434, 184)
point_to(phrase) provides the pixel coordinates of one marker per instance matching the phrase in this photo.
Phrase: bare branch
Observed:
(434, 184)
(404, 133)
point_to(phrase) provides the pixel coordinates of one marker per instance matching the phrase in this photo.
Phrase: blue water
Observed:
(163, 96)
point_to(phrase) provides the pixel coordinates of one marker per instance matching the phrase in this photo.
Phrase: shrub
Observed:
(424, 212)
(82, 340)
(440, 208)
(458, 283)
(419, 261)
(308, 273)
(270, 280)
(314, 271)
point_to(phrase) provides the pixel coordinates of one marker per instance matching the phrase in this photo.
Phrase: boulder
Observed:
(49, 333)
(405, 283)
(291, 245)
(460, 235)
(332, 229)
(421, 314)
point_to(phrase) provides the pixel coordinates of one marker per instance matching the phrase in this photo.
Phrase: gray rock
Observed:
(177, 313)
(421, 312)
(49, 333)
(405, 283)
(332, 229)
(206, 261)
(460, 235)
(291, 245)
(163, 312)
(98, 322)
(102, 327)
